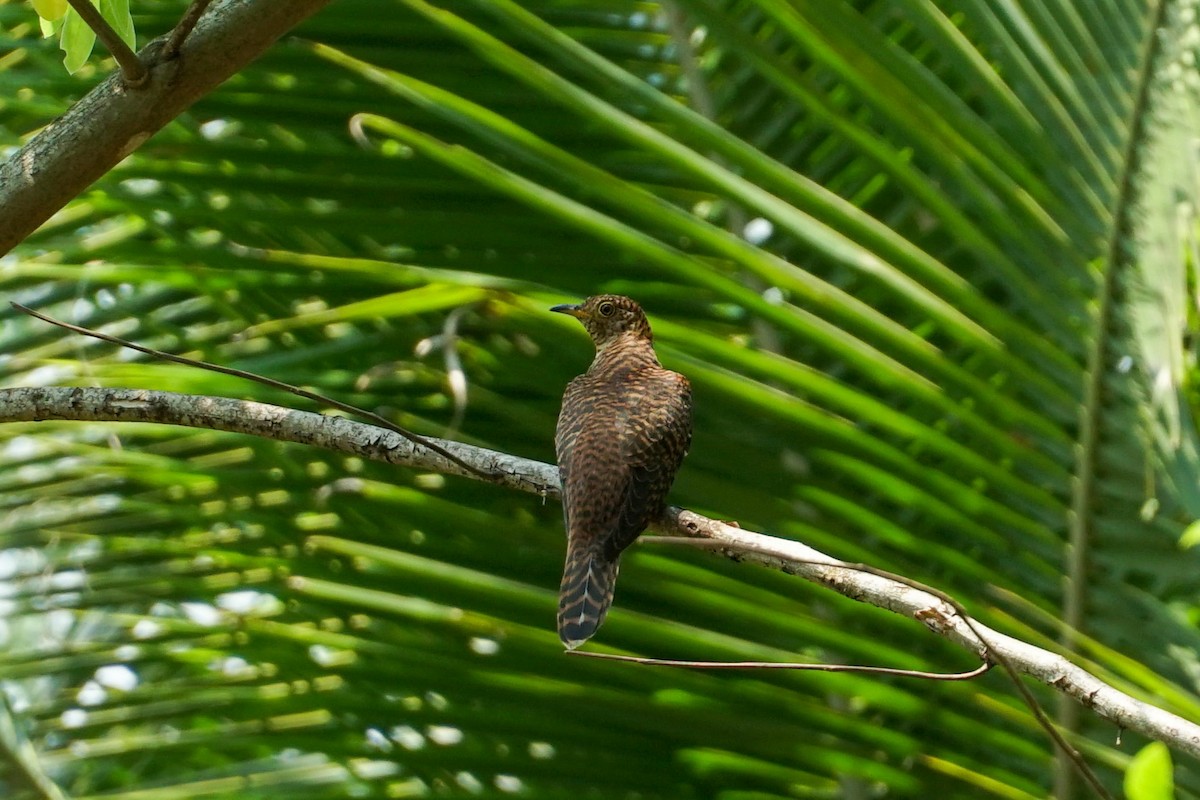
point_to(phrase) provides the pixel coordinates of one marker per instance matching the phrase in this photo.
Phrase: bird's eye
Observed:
(607, 309)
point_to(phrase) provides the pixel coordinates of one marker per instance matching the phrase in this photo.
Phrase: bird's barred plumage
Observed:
(623, 431)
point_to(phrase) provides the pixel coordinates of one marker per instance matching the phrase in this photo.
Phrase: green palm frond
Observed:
(896, 247)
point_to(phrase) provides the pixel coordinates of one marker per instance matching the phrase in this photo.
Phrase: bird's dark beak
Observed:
(574, 311)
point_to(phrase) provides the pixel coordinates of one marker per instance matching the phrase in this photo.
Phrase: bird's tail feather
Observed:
(585, 595)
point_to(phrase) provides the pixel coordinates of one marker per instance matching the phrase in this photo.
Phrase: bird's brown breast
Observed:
(624, 428)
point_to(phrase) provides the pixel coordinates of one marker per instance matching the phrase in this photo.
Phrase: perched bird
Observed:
(623, 431)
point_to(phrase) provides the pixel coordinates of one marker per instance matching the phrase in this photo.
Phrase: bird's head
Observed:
(607, 316)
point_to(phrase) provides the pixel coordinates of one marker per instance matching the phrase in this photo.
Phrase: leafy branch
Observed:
(109, 123)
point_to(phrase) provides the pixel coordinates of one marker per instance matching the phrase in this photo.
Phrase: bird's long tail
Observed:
(585, 595)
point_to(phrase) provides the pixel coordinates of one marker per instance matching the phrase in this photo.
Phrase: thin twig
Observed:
(132, 69)
(1039, 715)
(274, 384)
(789, 665)
(180, 33)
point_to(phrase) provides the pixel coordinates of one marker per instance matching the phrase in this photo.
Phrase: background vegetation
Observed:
(917, 259)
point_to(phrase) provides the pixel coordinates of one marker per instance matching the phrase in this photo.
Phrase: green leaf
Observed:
(76, 42)
(50, 10)
(1148, 776)
(48, 28)
(116, 13)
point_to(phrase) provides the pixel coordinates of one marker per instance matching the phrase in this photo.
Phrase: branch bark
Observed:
(369, 442)
(111, 121)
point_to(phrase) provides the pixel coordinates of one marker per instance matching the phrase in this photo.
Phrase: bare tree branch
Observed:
(274, 422)
(111, 121)
(342, 435)
(256, 378)
(1050, 668)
